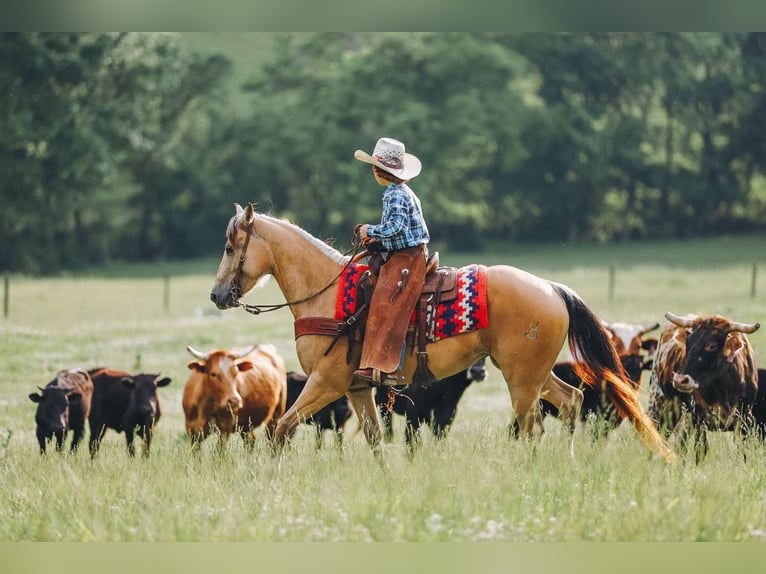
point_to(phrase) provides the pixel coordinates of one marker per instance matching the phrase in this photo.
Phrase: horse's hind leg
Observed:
(525, 398)
(567, 399)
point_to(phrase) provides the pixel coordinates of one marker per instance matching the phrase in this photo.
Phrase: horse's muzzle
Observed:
(222, 298)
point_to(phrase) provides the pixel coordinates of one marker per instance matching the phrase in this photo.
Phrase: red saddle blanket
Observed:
(464, 314)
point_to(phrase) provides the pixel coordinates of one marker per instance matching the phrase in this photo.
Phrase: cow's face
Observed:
(704, 353)
(221, 371)
(478, 371)
(143, 407)
(634, 348)
(52, 415)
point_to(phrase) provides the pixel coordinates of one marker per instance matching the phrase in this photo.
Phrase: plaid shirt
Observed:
(401, 224)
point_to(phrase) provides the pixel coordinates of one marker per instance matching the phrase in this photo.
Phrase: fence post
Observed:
(753, 278)
(166, 292)
(611, 282)
(6, 293)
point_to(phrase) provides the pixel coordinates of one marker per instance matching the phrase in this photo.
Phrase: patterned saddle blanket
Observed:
(465, 313)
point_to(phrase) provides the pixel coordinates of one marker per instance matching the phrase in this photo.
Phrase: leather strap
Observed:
(318, 326)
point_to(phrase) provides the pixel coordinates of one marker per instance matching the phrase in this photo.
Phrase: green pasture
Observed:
(477, 485)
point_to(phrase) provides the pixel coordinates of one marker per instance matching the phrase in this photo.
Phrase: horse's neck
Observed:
(303, 266)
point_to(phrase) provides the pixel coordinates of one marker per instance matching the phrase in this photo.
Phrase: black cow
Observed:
(759, 407)
(64, 405)
(431, 403)
(124, 402)
(330, 417)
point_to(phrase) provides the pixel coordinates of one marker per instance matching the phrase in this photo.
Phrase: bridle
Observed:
(236, 290)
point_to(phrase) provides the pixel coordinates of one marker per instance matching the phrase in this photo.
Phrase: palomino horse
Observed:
(529, 320)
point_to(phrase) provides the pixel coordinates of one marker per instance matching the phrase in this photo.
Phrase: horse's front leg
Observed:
(363, 403)
(318, 392)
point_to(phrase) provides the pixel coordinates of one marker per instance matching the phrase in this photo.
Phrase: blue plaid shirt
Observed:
(401, 224)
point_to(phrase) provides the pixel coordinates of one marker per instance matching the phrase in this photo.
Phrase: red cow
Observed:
(234, 390)
(704, 378)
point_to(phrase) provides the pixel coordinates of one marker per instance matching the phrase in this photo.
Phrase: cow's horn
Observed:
(680, 321)
(648, 328)
(244, 353)
(745, 327)
(199, 354)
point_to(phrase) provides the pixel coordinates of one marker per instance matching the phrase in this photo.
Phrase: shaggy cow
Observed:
(332, 417)
(230, 391)
(704, 378)
(124, 402)
(64, 405)
(431, 403)
(635, 352)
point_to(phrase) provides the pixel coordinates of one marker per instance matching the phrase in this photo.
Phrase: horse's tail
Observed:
(596, 361)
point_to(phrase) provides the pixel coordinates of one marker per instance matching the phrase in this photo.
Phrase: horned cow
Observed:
(234, 390)
(704, 378)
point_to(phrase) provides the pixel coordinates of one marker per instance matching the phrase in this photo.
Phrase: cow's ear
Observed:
(35, 397)
(164, 382)
(74, 398)
(128, 382)
(245, 365)
(198, 366)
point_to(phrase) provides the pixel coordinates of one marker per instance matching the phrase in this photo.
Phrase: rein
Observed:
(236, 291)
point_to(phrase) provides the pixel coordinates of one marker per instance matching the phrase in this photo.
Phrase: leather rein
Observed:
(236, 290)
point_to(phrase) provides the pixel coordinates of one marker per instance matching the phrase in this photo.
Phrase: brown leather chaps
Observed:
(393, 300)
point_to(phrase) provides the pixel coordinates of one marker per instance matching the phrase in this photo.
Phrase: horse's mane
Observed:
(324, 247)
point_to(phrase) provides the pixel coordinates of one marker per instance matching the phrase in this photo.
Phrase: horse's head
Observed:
(246, 258)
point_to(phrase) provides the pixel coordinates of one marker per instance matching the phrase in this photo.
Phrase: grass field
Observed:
(474, 486)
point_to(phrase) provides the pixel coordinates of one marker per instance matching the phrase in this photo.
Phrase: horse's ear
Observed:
(239, 209)
(249, 214)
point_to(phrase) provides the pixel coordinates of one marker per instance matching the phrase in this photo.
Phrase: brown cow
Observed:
(234, 390)
(704, 378)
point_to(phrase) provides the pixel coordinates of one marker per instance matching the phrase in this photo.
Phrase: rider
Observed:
(402, 236)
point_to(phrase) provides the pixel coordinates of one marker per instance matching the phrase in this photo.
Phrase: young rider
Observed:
(402, 236)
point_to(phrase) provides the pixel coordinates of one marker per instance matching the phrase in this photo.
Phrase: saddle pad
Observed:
(464, 314)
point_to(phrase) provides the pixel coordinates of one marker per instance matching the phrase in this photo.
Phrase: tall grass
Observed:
(476, 485)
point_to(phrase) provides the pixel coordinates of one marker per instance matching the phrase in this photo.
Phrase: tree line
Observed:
(125, 147)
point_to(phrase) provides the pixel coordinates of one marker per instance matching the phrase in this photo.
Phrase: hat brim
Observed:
(410, 169)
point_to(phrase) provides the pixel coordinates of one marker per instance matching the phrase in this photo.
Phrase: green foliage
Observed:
(133, 146)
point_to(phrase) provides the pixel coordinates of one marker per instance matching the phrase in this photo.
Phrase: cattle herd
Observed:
(702, 377)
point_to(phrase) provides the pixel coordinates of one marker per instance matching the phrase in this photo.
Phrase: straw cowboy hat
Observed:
(389, 155)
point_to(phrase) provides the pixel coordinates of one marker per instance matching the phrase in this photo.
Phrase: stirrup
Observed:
(377, 378)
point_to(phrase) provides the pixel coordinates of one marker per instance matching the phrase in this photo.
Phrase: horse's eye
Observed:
(229, 250)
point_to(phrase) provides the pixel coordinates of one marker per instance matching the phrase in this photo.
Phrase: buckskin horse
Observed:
(530, 318)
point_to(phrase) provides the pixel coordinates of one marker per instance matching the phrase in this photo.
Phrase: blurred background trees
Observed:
(134, 146)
